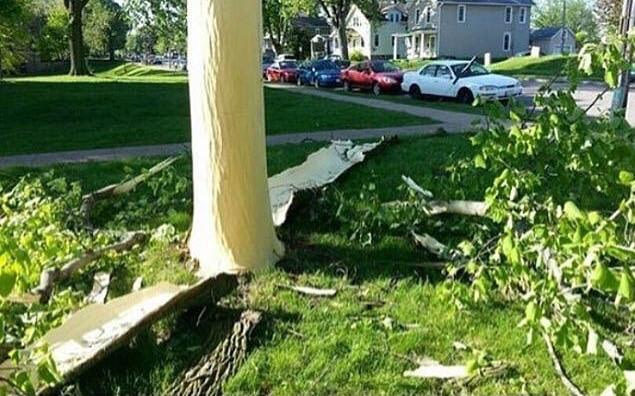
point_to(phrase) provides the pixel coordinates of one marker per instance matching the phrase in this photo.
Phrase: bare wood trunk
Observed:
(76, 39)
(232, 229)
(343, 37)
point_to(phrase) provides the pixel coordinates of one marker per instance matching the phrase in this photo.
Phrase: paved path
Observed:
(450, 121)
(122, 153)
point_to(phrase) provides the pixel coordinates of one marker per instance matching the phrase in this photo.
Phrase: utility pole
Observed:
(620, 96)
(564, 25)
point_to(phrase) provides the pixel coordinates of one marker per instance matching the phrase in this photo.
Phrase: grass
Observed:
(546, 66)
(130, 105)
(343, 345)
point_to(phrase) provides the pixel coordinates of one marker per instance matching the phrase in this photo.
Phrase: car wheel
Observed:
(347, 86)
(376, 89)
(465, 96)
(415, 92)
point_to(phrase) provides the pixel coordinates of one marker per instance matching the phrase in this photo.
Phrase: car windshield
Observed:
(288, 65)
(474, 70)
(383, 67)
(325, 65)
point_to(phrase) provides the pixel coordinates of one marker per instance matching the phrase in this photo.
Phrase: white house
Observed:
(373, 37)
(554, 40)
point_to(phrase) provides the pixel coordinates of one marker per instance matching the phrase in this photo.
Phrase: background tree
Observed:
(608, 13)
(13, 33)
(141, 40)
(75, 9)
(579, 16)
(167, 19)
(278, 16)
(106, 28)
(51, 38)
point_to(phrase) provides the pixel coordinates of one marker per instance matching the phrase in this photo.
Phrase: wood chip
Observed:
(432, 369)
(311, 291)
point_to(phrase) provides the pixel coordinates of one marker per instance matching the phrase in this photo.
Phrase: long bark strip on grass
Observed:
(438, 207)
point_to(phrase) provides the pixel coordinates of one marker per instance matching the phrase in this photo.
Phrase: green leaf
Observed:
(45, 374)
(611, 78)
(531, 312)
(627, 286)
(572, 212)
(594, 218)
(7, 282)
(626, 178)
(479, 162)
(603, 278)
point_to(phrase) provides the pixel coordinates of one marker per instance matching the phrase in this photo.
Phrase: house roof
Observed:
(310, 22)
(545, 33)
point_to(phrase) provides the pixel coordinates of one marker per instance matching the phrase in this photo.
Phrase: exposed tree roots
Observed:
(209, 374)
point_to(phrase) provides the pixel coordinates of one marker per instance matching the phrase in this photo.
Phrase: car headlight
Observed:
(388, 80)
(488, 88)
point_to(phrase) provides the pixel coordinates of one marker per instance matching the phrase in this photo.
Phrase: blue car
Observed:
(319, 73)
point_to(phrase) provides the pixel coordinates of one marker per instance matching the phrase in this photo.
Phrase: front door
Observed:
(431, 46)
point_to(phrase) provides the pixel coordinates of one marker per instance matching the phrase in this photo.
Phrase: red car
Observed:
(283, 71)
(377, 76)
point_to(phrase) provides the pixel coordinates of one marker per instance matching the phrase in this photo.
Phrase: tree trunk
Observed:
(76, 38)
(232, 228)
(343, 37)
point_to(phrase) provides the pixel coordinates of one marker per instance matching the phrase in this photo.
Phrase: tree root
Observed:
(50, 276)
(571, 387)
(209, 374)
(115, 190)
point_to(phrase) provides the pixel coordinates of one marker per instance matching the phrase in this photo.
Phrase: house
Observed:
(554, 40)
(466, 28)
(373, 35)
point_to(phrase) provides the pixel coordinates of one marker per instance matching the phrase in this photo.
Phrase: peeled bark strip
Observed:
(207, 377)
(458, 207)
(51, 276)
(115, 190)
(232, 228)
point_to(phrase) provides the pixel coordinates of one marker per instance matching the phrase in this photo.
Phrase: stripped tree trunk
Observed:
(232, 228)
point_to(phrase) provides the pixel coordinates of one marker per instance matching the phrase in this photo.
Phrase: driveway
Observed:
(584, 96)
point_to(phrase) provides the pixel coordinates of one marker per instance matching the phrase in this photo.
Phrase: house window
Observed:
(428, 14)
(361, 42)
(356, 21)
(394, 39)
(461, 14)
(418, 16)
(376, 40)
(523, 15)
(507, 42)
(509, 14)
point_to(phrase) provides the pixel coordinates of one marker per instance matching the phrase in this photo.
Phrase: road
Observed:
(585, 95)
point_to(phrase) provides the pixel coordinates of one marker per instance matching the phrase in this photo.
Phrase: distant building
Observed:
(373, 35)
(550, 40)
(466, 28)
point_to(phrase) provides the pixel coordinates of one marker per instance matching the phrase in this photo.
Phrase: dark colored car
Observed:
(282, 71)
(376, 76)
(319, 73)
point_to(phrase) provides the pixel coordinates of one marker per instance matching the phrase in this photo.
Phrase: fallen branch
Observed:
(311, 291)
(573, 388)
(435, 247)
(114, 190)
(50, 276)
(458, 207)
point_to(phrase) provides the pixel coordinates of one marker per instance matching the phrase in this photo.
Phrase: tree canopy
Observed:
(579, 16)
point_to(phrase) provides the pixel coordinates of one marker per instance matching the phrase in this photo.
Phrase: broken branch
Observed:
(571, 387)
(458, 207)
(114, 190)
(50, 276)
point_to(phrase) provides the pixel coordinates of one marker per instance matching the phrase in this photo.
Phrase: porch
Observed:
(418, 45)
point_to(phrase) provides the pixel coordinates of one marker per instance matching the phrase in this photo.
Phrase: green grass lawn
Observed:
(526, 66)
(130, 105)
(341, 345)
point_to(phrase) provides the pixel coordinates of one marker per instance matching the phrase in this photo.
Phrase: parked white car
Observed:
(463, 80)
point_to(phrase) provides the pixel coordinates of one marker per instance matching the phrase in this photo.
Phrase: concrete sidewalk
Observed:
(122, 153)
(451, 121)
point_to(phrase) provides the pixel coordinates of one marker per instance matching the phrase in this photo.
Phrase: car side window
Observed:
(429, 71)
(444, 72)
